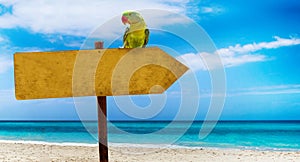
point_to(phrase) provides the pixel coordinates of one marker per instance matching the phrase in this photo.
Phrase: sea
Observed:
(256, 135)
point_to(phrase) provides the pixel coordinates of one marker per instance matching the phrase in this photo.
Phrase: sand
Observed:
(25, 151)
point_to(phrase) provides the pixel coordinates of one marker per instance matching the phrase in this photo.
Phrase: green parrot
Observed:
(137, 34)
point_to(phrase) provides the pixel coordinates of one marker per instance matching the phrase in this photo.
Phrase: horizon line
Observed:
(132, 120)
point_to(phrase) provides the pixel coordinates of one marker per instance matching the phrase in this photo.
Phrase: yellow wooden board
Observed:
(101, 72)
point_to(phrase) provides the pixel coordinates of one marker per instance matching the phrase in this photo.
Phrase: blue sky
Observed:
(257, 41)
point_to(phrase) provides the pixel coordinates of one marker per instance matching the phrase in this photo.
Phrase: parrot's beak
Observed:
(124, 20)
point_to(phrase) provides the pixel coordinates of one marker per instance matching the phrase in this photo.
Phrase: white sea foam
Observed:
(151, 146)
(162, 146)
(47, 143)
(96, 145)
(140, 145)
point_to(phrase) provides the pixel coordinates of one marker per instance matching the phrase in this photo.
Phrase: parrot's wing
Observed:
(125, 37)
(146, 37)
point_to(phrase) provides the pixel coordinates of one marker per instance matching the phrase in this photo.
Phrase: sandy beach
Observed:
(25, 151)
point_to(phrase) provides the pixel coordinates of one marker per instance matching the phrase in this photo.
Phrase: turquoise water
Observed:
(270, 135)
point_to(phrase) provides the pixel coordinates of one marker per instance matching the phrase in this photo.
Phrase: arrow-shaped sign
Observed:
(101, 72)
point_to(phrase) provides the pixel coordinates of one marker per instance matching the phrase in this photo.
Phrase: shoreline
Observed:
(45, 151)
(150, 146)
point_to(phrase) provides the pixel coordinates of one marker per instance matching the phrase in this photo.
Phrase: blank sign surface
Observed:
(101, 72)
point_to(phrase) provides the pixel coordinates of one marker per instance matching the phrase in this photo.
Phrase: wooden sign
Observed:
(99, 72)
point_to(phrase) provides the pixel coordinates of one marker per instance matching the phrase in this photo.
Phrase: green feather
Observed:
(135, 39)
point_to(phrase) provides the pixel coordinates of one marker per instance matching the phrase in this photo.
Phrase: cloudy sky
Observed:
(258, 43)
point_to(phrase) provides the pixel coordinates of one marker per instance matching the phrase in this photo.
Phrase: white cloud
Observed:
(5, 64)
(252, 91)
(80, 17)
(1, 39)
(235, 55)
(279, 42)
(239, 60)
(267, 90)
(211, 10)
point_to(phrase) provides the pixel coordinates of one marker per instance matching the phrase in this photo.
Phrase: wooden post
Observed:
(102, 121)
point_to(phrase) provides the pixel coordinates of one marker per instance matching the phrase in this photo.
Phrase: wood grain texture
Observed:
(100, 72)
